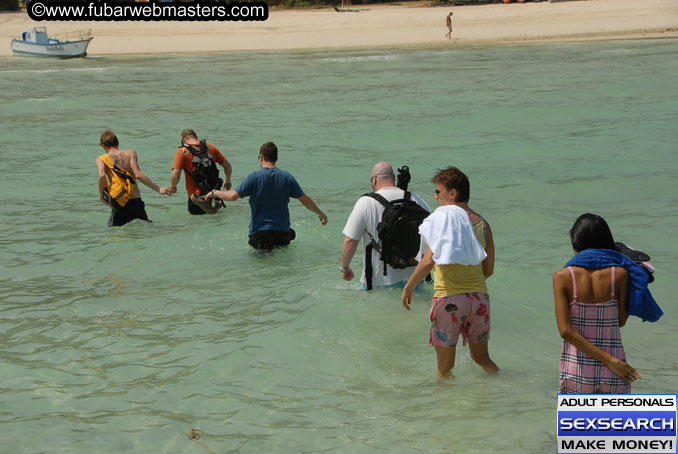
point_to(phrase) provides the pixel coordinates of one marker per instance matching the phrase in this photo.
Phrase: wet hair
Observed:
(453, 178)
(108, 139)
(590, 231)
(188, 133)
(269, 152)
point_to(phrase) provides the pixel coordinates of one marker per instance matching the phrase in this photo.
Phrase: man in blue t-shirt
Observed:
(269, 190)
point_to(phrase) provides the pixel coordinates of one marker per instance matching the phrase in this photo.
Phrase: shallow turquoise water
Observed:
(121, 340)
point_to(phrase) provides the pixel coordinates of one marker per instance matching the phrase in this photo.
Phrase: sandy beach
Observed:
(405, 24)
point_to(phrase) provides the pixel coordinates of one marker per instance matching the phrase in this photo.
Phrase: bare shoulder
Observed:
(129, 158)
(621, 274)
(561, 275)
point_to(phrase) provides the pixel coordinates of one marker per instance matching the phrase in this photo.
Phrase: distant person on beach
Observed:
(269, 190)
(448, 22)
(118, 174)
(198, 160)
(457, 245)
(591, 305)
(362, 225)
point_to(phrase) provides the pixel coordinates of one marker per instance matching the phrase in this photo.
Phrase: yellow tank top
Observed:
(455, 279)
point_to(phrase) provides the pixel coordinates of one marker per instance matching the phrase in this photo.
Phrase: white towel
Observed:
(449, 233)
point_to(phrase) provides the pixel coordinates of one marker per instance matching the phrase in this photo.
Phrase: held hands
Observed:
(167, 190)
(624, 371)
(406, 297)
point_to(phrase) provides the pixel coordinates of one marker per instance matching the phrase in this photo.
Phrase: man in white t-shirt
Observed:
(362, 224)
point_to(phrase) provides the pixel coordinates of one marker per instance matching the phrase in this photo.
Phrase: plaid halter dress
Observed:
(599, 324)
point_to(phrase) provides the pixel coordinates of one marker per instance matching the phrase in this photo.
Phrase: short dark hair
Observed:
(269, 152)
(453, 178)
(188, 133)
(590, 231)
(108, 139)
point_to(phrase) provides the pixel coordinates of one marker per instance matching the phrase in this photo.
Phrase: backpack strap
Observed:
(191, 149)
(378, 197)
(574, 284)
(373, 243)
(106, 160)
(381, 199)
(200, 153)
(368, 265)
(122, 173)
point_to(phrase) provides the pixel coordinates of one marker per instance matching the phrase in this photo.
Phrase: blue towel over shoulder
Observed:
(640, 301)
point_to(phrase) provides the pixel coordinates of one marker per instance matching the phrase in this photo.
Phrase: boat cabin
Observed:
(36, 35)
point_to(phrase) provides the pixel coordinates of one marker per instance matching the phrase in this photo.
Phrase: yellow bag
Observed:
(122, 185)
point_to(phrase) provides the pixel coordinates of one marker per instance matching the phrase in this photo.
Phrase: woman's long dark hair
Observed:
(591, 231)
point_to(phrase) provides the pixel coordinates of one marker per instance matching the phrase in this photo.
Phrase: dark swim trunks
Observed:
(266, 240)
(135, 209)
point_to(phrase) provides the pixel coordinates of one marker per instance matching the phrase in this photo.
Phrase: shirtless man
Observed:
(126, 160)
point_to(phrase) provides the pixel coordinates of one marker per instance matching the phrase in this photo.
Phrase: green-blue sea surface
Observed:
(120, 340)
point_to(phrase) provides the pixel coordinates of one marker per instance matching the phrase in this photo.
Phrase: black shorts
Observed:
(266, 240)
(134, 209)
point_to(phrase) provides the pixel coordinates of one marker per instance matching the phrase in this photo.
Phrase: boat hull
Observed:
(61, 49)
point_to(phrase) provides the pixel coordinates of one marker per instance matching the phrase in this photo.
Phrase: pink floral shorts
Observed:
(467, 314)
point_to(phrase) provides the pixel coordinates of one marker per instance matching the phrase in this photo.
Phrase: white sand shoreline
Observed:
(379, 26)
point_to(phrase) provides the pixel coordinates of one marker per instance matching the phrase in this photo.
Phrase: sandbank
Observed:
(404, 24)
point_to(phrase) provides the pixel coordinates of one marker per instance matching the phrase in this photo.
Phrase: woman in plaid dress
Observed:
(590, 309)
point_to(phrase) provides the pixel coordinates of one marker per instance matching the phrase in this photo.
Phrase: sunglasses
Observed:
(437, 191)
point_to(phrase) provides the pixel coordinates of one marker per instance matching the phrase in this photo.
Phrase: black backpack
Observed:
(398, 232)
(205, 173)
